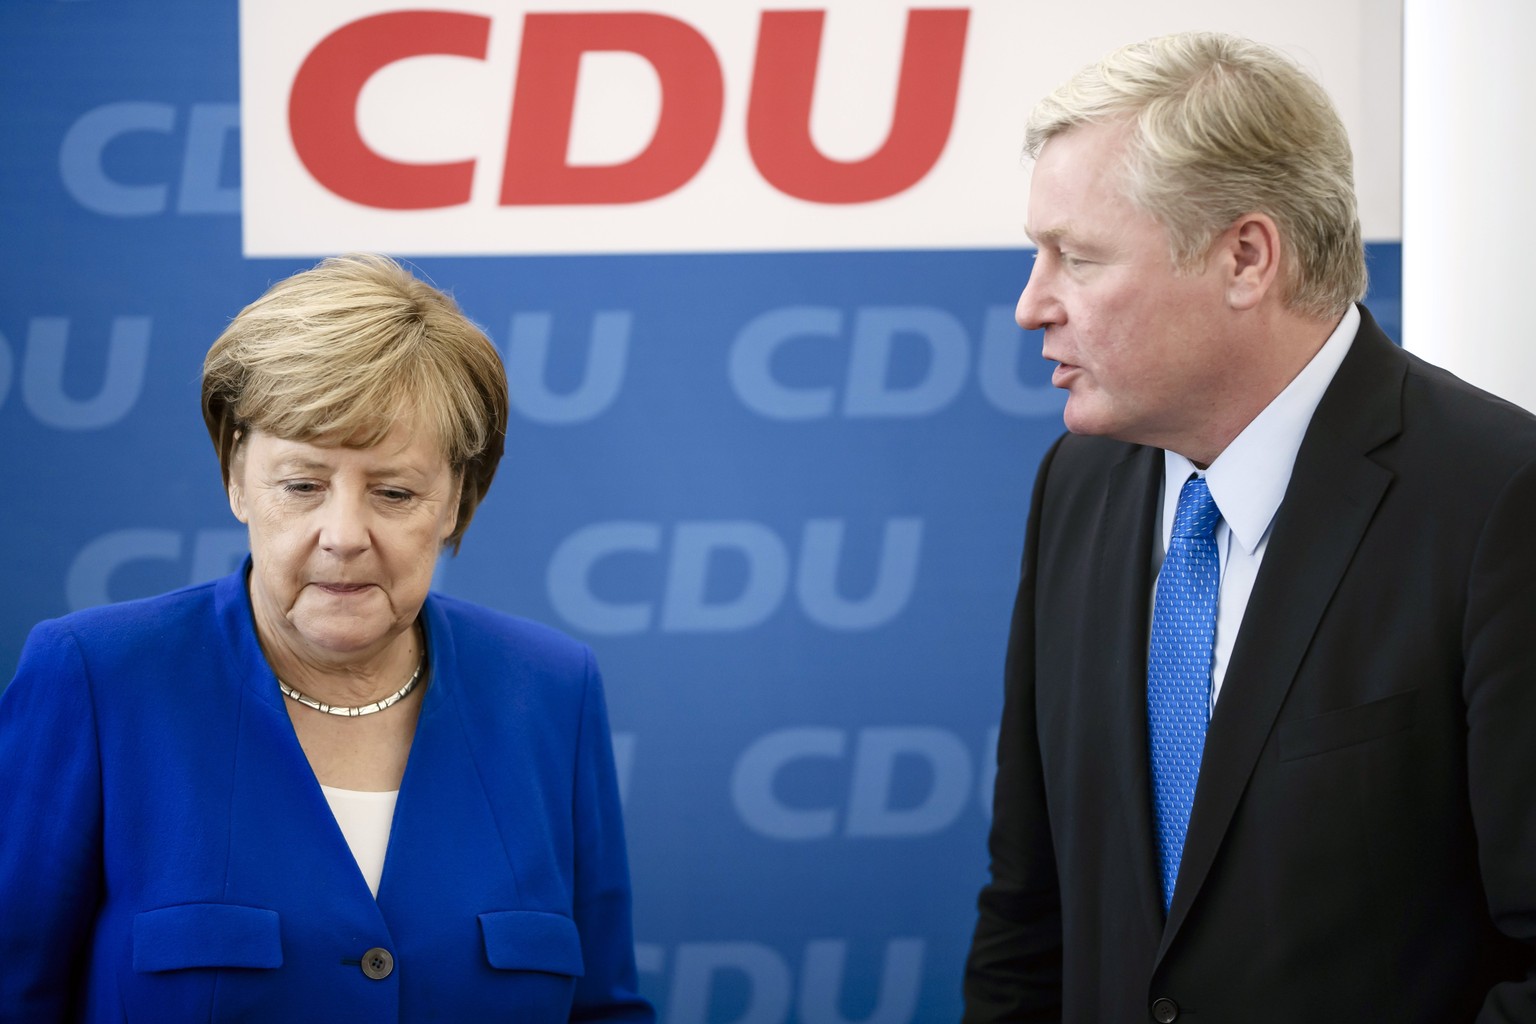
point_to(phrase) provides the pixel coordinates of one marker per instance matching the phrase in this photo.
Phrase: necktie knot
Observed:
(1197, 514)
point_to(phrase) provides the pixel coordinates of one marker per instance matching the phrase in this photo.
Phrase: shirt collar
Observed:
(1248, 479)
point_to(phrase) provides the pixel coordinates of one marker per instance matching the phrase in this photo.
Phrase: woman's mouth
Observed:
(343, 588)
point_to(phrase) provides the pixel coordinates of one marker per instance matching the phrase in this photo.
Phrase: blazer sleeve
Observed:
(1013, 972)
(50, 828)
(1500, 692)
(608, 990)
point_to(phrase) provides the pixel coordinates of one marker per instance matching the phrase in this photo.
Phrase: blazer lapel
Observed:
(1334, 491)
(282, 831)
(1116, 666)
(279, 816)
(449, 857)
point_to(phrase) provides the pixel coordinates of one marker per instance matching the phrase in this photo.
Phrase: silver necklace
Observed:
(366, 709)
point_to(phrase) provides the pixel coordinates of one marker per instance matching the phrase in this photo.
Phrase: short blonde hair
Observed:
(341, 352)
(1221, 127)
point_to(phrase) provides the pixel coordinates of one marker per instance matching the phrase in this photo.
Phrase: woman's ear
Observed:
(235, 484)
(237, 501)
(455, 503)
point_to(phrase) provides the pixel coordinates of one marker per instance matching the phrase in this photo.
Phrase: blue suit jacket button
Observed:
(377, 963)
(1165, 1011)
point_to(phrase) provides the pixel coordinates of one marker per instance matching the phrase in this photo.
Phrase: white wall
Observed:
(1469, 212)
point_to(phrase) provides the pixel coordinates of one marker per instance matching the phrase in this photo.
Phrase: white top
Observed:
(1248, 481)
(365, 819)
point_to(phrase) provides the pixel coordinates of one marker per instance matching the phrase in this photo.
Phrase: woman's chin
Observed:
(333, 640)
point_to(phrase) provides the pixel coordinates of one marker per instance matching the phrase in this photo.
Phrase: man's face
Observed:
(1140, 349)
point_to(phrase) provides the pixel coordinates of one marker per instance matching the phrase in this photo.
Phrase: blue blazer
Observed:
(166, 853)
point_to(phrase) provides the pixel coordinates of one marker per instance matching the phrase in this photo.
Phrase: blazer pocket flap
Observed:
(532, 940)
(1347, 726)
(206, 935)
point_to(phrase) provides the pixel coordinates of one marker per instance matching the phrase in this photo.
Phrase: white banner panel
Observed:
(485, 127)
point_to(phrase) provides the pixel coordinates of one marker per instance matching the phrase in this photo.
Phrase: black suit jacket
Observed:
(1362, 846)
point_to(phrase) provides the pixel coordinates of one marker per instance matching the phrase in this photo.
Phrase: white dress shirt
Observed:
(1248, 481)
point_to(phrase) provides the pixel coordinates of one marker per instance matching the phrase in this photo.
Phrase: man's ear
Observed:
(1252, 246)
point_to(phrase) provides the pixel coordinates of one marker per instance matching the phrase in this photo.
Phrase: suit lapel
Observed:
(449, 857)
(286, 851)
(1334, 491)
(1117, 663)
(282, 831)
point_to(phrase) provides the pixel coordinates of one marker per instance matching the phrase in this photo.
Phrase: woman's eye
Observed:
(395, 495)
(301, 487)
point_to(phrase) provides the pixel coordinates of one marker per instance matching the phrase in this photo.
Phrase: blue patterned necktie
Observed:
(1179, 670)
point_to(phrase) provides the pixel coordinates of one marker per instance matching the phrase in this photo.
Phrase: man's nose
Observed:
(1038, 306)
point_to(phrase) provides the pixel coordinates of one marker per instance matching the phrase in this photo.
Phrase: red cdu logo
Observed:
(322, 108)
(459, 127)
(483, 126)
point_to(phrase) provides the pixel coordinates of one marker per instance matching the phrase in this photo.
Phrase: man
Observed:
(1291, 774)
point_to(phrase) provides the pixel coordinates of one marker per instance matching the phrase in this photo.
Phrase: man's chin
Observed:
(1080, 417)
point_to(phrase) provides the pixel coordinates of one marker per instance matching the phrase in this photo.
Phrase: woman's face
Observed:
(343, 540)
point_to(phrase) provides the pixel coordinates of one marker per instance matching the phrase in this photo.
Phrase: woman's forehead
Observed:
(404, 444)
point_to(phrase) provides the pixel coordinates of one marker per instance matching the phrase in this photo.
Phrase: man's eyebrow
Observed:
(1047, 236)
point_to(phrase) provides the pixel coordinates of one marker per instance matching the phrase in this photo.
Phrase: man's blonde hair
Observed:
(341, 352)
(1221, 127)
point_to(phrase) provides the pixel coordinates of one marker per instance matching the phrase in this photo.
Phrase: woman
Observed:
(311, 790)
